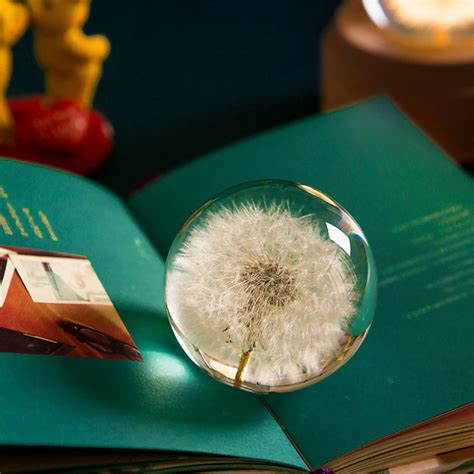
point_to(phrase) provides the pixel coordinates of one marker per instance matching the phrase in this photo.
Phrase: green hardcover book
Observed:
(81, 275)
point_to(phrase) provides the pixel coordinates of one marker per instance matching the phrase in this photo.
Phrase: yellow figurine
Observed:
(13, 22)
(72, 61)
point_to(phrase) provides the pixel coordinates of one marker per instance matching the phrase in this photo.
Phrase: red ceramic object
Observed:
(64, 135)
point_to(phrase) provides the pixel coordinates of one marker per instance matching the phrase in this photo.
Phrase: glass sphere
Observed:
(270, 286)
(427, 22)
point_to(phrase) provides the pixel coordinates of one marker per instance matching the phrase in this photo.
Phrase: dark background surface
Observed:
(188, 77)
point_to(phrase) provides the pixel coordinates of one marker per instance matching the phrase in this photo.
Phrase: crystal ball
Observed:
(425, 22)
(270, 286)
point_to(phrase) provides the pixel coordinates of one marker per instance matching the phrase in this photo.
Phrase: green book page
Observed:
(416, 208)
(161, 403)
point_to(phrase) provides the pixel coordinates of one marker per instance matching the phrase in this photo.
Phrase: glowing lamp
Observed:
(435, 23)
(420, 53)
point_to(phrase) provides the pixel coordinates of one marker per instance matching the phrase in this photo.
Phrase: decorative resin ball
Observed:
(425, 22)
(270, 286)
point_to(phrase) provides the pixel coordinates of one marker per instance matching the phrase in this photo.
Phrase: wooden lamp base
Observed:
(435, 87)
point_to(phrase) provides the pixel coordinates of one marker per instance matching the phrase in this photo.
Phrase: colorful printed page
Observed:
(87, 356)
(417, 209)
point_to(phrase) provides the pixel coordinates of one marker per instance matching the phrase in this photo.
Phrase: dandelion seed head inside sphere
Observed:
(270, 287)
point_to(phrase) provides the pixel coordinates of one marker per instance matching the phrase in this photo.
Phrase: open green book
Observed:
(81, 278)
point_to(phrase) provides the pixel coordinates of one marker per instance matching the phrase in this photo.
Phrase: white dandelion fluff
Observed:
(263, 289)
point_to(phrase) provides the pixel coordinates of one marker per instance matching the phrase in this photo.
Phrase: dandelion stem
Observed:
(244, 362)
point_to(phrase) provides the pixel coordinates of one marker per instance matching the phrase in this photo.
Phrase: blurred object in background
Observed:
(60, 128)
(13, 23)
(425, 23)
(420, 52)
(71, 60)
(186, 77)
